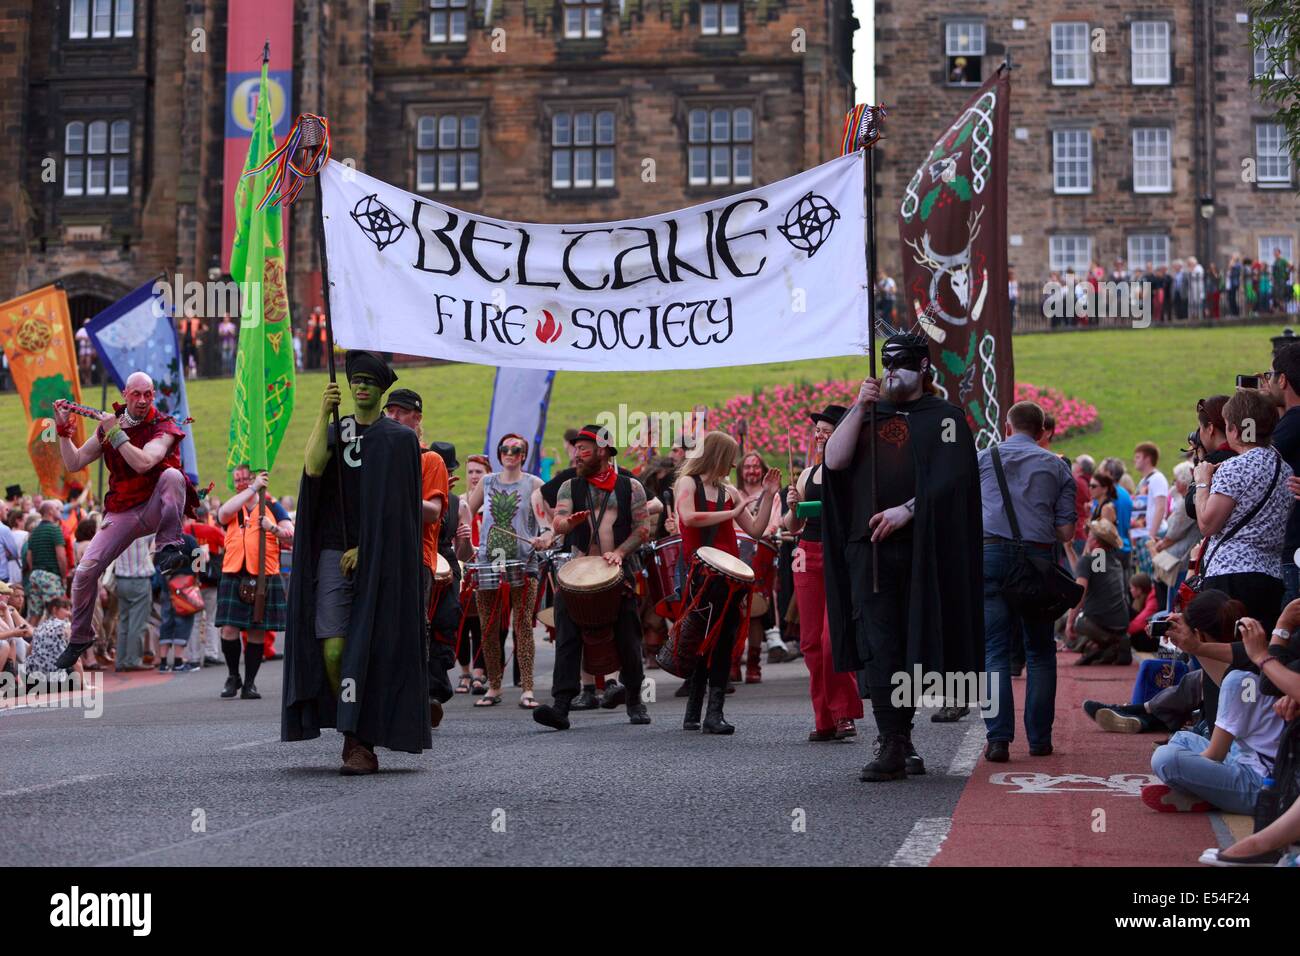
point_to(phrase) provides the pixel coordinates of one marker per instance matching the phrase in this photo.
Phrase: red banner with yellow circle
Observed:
(36, 335)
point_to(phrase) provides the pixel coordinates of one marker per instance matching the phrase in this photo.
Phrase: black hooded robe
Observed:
(945, 631)
(384, 650)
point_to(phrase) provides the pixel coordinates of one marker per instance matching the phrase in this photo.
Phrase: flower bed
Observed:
(777, 418)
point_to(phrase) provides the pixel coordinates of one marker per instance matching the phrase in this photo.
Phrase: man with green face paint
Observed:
(355, 636)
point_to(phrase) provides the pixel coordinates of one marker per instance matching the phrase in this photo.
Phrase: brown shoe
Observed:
(148, 660)
(435, 713)
(821, 736)
(844, 729)
(359, 762)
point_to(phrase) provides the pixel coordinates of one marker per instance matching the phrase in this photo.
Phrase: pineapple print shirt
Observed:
(508, 506)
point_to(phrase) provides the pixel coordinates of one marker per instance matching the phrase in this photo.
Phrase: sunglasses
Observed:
(901, 361)
(511, 450)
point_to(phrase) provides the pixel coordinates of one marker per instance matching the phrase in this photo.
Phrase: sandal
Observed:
(527, 701)
(478, 685)
(462, 686)
(489, 700)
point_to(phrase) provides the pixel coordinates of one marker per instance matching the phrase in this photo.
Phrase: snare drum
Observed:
(717, 587)
(593, 592)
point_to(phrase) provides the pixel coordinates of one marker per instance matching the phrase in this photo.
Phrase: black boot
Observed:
(713, 722)
(587, 700)
(614, 695)
(695, 685)
(636, 711)
(890, 763)
(915, 765)
(555, 716)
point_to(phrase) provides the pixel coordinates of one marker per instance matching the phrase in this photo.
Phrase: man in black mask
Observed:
(927, 615)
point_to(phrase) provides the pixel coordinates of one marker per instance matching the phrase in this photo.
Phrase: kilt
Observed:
(232, 612)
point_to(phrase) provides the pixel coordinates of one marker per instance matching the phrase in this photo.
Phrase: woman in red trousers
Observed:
(835, 699)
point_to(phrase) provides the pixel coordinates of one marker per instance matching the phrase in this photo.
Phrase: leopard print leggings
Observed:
(522, 601)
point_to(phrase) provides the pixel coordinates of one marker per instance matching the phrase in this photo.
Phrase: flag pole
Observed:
(871, 332)
(313, 136)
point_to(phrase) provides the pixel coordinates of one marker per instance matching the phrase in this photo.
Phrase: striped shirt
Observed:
(135, 561)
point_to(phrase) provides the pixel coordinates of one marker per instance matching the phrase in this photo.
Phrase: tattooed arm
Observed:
(642, 522)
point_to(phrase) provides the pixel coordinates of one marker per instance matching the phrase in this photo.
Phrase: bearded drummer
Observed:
(708, 512)
(602, 512)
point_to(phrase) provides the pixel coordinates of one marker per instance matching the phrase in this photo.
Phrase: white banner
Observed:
(769, 275)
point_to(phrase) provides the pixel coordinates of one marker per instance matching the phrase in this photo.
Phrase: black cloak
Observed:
(945, 630)
(384, 651)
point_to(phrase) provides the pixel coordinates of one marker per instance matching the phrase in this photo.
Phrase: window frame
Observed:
(1156, 262)
(1265, 244)
(449, 9)
(719, 9)
(1142, 132)
(1135, 53)
(584, 10)
(1058, 160)
(436, 152)
(949, 54)
(711, 146)
(570, 148)
(102, 163)
(1053, 262)
(1281, 154)
(1086, 53)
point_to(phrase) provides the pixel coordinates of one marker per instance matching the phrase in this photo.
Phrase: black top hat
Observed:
(14, 491)
(447, 451)
(831, 413)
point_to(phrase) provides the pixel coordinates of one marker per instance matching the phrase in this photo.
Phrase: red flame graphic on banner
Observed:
(550, 330)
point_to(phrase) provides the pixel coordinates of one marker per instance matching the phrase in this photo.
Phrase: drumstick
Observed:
(789, 448)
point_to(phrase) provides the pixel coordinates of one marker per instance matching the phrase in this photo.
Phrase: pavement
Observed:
(171, 775)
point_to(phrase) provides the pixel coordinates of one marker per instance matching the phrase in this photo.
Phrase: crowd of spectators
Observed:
(1213, 590)
(137, 624)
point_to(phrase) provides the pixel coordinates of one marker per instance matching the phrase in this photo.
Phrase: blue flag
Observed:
(136, 334)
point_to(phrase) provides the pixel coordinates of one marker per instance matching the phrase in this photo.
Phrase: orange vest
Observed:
(241, 544)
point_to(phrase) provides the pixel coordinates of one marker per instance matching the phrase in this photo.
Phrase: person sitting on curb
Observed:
(1225, 771)
(1101, 616)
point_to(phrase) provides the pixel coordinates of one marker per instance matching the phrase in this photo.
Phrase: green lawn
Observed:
(1145, 384)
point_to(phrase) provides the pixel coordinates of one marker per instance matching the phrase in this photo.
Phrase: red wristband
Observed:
(65, 430)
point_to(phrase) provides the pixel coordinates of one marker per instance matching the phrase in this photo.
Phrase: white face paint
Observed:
(901, 384)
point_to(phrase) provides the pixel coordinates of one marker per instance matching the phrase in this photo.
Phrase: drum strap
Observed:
(715, 626)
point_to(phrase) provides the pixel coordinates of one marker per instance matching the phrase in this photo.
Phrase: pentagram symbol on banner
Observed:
(808, 223)
(379, 223)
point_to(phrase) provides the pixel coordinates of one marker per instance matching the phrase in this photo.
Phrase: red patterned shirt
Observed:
(126, 486)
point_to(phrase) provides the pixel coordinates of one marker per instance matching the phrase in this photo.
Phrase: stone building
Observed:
(544, 110)
(1135, 133)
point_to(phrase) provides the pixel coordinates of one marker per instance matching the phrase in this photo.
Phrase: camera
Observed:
(1248, 381)
(1160, 628)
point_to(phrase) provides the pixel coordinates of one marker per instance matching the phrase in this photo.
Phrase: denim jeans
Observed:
(1230, 786)
(1290, 580)
(1001, 626)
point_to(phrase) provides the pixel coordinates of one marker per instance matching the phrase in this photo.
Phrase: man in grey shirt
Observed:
(10, 559)
(1042, 491)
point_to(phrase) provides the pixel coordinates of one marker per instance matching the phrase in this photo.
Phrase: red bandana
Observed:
(605, 480)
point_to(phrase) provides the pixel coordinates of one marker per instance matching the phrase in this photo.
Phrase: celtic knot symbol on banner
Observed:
(808, 223)
(379, 223)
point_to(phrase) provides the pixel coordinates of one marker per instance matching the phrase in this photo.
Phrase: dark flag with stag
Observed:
(953, 237)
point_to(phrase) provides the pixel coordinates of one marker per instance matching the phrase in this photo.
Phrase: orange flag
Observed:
(36, 334)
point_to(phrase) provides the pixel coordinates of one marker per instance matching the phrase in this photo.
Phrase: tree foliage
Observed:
(1275, 30)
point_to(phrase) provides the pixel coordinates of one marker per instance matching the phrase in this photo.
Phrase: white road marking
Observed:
(252, 743)
(922, 844)
(51, 786)
(969, 750)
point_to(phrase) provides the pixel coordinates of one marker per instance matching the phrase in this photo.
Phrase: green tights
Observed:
(332, 650)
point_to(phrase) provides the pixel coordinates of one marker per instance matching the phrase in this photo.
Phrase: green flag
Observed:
(264, 380)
